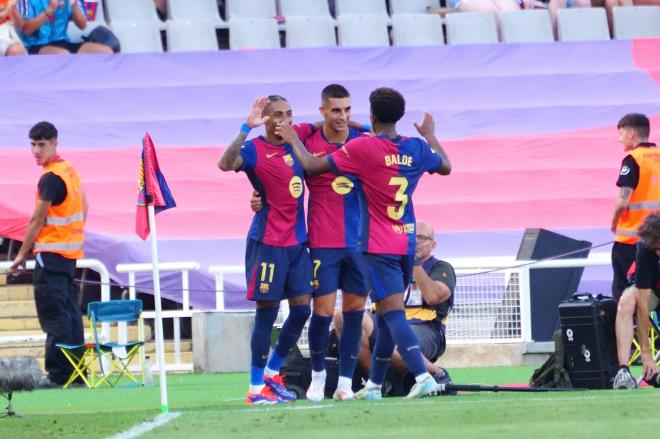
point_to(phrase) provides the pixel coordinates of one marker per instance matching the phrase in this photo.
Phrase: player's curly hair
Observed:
(43, 131)
(650, 229)
(637, 122)
(387, 105)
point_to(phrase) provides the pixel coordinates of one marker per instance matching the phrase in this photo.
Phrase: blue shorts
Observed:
(336, 268)
(277, 273)
(389, 274)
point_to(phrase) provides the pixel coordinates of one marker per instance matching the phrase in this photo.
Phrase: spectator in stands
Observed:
(10, 42)
(56, 231)
(639, 195)
(428, 300)
(639, 300)
(45, 25)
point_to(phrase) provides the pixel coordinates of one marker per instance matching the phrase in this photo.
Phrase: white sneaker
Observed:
(624, 380)
(343, 394)
(316, 391)
(423, 388)
(370, 394)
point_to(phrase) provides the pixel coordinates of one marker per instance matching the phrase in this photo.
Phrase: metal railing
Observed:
(92, 264)
(176, 315)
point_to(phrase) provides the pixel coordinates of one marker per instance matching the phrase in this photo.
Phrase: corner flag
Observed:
(152, 188)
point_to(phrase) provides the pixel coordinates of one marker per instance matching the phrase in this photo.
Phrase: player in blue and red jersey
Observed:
(389, 167)
(277, 263)
(334, 240)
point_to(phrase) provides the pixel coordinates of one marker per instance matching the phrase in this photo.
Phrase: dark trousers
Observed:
(58, 311)
(623, 255)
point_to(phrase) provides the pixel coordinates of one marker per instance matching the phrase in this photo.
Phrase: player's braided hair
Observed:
(387, 105)
(637, 122)
(650, 229)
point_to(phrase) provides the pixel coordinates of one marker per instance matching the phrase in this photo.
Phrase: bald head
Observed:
(425, 240)
(425, 228)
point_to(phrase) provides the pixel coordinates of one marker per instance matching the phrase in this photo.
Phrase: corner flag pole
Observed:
(160, 346)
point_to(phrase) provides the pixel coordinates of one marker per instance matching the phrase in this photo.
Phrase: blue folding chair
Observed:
(118, 355)
(112, 357)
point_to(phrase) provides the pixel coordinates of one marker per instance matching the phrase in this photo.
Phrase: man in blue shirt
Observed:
(45, 24)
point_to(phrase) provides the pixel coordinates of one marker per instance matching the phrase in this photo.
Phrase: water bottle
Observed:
(148, 373)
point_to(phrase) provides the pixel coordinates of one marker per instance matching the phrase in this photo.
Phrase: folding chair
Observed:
(654, 336)
(118, 354)
(113, 357)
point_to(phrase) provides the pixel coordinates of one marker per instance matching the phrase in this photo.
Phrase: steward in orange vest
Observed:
(639, 194)
(56, 232)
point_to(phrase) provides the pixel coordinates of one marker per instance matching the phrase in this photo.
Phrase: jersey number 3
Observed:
(396, 212)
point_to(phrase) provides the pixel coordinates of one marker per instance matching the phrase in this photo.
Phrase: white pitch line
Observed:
(147, 426)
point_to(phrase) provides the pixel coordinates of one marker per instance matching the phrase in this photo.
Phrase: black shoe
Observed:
(443, 378)
(654, 381)
(46, 383)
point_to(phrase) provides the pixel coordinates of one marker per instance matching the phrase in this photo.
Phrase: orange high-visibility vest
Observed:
(645, 198)
(63, 231)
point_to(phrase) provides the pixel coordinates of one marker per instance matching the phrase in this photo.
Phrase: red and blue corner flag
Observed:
(152, 188)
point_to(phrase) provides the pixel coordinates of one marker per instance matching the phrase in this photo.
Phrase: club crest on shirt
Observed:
(296, 186)
(342, 185)
(288, 160)
(263, 288)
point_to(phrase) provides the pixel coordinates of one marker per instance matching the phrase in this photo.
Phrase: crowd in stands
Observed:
(43, 26)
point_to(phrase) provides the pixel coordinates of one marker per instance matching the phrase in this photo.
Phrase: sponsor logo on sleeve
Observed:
(625, 170)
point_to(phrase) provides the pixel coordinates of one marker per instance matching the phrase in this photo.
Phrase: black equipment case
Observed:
(587, 325)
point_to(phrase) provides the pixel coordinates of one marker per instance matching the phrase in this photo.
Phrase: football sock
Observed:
(380, 358)
(406, 341)
(260, 342)
(349, 343)
(319, 336)
(289, 335)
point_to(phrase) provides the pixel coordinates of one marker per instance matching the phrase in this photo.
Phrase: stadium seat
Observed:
(362, 31)
(93, 7)
(417, 30)
(203, 10)
(138, 36)
(361, 7)
(253, 33)
(250, 9)
(636, 22)
(114, 357)
(310, 32)
(133, 10)
(305, 8)
(582, 24)
(190, 35)
(411, 6)
(526, 26)
(471, 28)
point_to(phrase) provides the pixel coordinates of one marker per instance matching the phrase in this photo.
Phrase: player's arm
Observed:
(620, 206)
(36, 223)
(16, 17)
(427, 130)
(642, 311)
(311, 164)
(231, 159)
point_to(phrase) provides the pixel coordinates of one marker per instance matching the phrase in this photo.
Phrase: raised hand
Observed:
(427, 127)
(255, 117)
